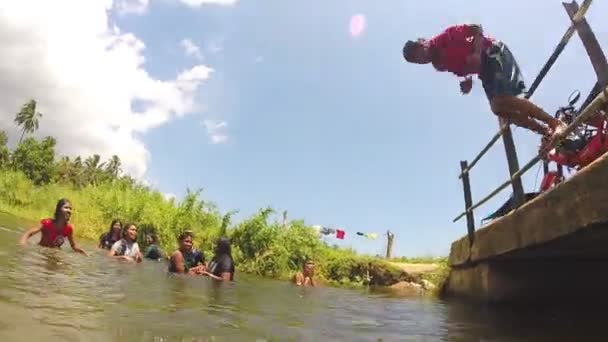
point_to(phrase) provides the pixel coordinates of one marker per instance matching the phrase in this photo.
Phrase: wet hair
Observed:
(223, 247)
(58, 207)
(153, 237)
(125, 228)
(115, 221)
(184, 235)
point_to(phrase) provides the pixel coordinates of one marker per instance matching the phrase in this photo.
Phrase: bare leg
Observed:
(525, 110)
(524, 121)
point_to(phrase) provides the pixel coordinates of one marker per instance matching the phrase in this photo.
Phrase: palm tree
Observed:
(4, 151)
(113, 167)
(28, 118)
(92, 168)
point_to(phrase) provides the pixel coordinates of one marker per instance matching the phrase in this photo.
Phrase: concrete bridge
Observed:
(554, 246)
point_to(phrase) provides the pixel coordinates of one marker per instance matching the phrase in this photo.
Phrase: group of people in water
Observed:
(121, 243)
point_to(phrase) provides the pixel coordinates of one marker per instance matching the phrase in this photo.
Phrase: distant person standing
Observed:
(54, 231)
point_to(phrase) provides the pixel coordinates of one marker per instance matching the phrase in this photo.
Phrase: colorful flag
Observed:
(372, 236)
(339, 234)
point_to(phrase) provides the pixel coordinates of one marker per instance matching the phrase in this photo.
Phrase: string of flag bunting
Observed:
(340, 233)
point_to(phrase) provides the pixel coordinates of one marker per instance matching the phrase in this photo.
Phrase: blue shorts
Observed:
(500, 74)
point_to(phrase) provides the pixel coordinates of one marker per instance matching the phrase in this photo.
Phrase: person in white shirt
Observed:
(127, 248)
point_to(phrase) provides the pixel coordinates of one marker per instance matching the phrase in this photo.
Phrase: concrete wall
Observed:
(517, 281)
(545, 249)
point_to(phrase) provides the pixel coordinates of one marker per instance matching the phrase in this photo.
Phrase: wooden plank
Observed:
(468, 202)
(592, 46)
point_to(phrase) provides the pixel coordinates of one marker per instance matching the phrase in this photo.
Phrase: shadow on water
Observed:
(58, 295)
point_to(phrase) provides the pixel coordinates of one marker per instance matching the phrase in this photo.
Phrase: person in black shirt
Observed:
(107, 239)
(187, 259)
(221, 267)
(152, 251)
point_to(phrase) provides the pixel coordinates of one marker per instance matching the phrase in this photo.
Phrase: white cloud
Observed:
(215, 130)
(169, 196)
(216, 45)
(198, 3)
(191, 49)
(131, 6)
(140, 6)
(86, 75)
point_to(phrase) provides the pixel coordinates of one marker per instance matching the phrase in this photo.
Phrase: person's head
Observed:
(185, 240)
(223, 247)
(416, 51)
(309, 267)
(151, 238)
(129, 232)
(115, 227)
(63, 210)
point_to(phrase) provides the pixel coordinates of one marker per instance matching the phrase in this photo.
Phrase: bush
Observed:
(260, 246)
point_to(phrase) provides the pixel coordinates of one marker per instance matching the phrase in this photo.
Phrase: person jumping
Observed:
(464, 50)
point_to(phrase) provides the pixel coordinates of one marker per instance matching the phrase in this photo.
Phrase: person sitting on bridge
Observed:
(465, 50)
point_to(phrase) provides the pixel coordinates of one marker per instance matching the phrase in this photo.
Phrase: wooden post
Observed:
(284, 223)
(468, 202)
(389, 244)
(592, 46)
(518, 188)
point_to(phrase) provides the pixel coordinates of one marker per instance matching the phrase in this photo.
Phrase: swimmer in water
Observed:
(152, 250)
(221, 267)
(187, 259)
(127, 247)
(305, 278)
(109, 238)
(54, 231)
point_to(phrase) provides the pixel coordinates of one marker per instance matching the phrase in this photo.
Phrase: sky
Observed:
(282, 104)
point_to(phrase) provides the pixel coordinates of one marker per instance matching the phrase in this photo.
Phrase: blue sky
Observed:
(338, 130)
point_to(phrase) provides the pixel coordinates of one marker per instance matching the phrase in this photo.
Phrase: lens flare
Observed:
(357, 25)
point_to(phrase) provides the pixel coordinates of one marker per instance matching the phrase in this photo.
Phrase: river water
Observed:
(58, 295)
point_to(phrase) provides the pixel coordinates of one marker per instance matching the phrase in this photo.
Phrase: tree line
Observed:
(37, 159)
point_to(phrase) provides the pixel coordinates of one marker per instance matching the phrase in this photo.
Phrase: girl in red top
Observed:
(54, 231)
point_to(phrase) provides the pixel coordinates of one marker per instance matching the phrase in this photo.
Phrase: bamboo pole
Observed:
(580, 119)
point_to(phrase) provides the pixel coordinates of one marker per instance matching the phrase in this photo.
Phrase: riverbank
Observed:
(335, 267)
(262, 244)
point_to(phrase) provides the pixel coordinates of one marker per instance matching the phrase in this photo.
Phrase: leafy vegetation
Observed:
(33, 178)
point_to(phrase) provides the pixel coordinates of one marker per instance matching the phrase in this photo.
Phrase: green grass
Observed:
(260, 245)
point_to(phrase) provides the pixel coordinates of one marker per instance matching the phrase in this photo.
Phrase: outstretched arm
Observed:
(28, 234)
(73, 245)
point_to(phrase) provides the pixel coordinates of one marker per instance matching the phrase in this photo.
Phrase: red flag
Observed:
(339, 234)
